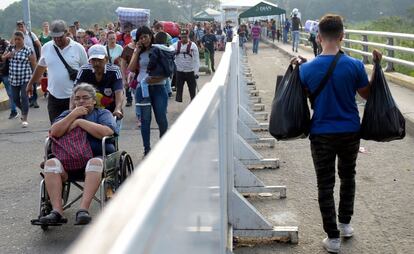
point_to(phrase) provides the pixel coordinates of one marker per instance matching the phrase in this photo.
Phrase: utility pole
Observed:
(26, 14)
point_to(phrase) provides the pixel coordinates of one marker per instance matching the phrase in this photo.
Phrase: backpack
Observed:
(188, 51)
(168, 65)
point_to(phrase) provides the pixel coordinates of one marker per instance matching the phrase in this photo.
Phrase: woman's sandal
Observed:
(82, 217)
(54, 217)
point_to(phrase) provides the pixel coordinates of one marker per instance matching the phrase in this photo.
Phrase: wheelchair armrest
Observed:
(108, 139)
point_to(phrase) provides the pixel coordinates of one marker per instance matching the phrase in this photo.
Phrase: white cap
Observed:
(97, 51)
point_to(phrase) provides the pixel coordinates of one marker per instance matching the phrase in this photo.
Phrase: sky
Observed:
(5, 3)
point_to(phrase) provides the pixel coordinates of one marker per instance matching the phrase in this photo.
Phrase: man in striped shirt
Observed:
(106, 78)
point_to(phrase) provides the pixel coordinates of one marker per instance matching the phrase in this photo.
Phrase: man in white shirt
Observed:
(31, 41)
(188, 63)
(60, 84)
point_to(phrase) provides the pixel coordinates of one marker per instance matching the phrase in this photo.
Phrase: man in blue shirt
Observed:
(335, 127)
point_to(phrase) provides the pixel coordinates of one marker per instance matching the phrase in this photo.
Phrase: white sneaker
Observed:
(346, 230)
(332, 244)
(24, 124)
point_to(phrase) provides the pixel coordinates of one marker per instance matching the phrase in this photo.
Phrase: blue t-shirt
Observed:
(335, 109)
(99, 116)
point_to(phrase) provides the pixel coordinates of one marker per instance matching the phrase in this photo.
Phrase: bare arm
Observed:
(365, 91)
(38, 72)
(32, 59)
(59, 128)
(134, 59)
(96, 130)
(119, 99)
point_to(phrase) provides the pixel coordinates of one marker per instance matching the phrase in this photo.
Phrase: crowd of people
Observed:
(92, 74)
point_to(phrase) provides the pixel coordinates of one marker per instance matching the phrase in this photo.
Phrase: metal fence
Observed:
(185, 196)
(389, 46)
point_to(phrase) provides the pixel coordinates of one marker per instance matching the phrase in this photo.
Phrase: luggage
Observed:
(136, 17)
(290, 116)
(311, 26)
(382, 120)
(171, 28)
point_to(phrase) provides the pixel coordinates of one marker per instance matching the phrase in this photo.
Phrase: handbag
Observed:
(73, 73)
(72, 149)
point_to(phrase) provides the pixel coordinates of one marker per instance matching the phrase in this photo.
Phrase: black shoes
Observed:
(82, 217)
(128, 104)
(13, 115)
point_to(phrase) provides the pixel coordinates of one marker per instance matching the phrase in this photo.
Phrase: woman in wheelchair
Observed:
(97, 123)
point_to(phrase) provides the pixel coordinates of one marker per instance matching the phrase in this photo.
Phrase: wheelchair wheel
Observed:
(125, 168)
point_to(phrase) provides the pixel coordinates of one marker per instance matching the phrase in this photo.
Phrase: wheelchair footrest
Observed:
(38, 223)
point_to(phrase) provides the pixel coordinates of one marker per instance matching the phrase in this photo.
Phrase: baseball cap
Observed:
(58, 28)
(20, 22)
(97, 51)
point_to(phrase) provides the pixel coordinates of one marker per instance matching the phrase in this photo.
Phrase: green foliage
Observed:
(396, 25)
(89, 12)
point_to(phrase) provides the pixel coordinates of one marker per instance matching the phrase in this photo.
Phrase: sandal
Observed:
(54, 217)
(82, 217)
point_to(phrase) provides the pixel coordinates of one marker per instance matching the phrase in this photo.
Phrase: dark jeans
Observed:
(128, 94)
(212, 59)
(20, 98)
(56, 106)
(7, 86)
(312, 39)
(325, 149)
(188, 77)
(34, 96)
(158, 101)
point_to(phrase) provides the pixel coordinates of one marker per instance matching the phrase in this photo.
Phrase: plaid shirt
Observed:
(20, 69)
(137, 17)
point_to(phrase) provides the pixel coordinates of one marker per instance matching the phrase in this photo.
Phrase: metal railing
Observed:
(176, 200)
(364, 42)
(184, 197)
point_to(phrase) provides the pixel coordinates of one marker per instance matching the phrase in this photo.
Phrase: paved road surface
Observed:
(384, 208)
(21, 153)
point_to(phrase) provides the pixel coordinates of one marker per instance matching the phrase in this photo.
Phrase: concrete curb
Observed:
(395, 78)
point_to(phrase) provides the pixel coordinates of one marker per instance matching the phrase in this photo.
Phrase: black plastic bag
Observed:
(382, 120)
(290, 116)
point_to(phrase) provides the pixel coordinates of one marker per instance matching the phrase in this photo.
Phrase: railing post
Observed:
(347, 44)
(365, 48)
(390, 53)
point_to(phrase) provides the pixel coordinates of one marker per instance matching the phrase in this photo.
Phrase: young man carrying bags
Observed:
(335, 126)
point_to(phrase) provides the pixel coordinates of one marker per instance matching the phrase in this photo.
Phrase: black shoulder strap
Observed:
(325, 79)
(178, 48)
(109, 56)
(189, 49)
(62, 59)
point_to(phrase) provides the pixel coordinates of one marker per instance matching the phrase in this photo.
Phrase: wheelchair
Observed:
(117, 166)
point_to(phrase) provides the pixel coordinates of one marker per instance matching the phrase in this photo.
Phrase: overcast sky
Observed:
(5, 3)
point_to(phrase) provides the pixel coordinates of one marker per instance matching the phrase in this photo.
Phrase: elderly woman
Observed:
(97, 123)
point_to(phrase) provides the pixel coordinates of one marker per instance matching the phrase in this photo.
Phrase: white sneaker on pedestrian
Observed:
(24, 124)
(332, 244)
(346, 230)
